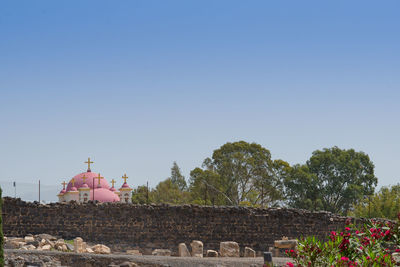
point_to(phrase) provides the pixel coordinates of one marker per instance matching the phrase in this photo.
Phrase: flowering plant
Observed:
(370, 245)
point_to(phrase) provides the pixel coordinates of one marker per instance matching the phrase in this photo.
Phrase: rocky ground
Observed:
(22, 258)
(48, 251)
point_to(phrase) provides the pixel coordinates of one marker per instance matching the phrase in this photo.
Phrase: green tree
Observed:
(205, 188)
(177, 178)
(142, 195)
(301, 189)
(383, 204)
(334, 180)
(168, 192)
(243, 170)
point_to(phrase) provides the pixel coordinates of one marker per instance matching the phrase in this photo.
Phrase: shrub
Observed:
(370, 245)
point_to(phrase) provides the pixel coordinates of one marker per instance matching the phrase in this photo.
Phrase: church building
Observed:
(92, 186)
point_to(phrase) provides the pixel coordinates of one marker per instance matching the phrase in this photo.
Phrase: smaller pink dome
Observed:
(63, 191)
(84, 186)
(125, 185)
(73, 189)
(113, 189)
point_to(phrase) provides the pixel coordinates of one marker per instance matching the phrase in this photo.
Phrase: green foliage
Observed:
(177, 178)
(383, 204)
(367, 246)
(140, 195)
(245, 168)
(1, 231)
(168, 192)
(206, 188)
(332, 179)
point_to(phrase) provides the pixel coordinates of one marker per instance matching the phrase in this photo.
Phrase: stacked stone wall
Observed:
(149, 227)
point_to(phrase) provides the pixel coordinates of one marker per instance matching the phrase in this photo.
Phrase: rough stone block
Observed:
(161, 252)
(183, 250)
(101, 249)
(197, 248)
(292, 243)
(249, 252)
(212, 253)
(229, 249)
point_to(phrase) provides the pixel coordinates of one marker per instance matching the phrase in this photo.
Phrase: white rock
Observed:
(79, 245)
(183, 250)
(212, 253)
(161, 252)
(229, 249)
(197, 248)
(101, 249)
(46, 247)
(133, 252)
(249, 252)
(89, 250)
(29, 239)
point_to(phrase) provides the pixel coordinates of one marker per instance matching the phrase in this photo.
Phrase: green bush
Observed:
(370, 245)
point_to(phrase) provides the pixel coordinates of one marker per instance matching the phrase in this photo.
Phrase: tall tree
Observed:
(168, 192)
(177, 178)
(383, 204)
(301, 189)
(205, 188)
(334, 180)
(243, 168)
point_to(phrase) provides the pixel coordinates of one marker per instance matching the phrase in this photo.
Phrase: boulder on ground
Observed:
(289, 244)
(197, 248)
(128, 264)
(70, 247)
(212, 253)
(161, 252)
(183, 250)
(89, 250)
(133, 252)
(101, 249)
(29, 247)
(249, 252)
(28, 239)
(47, 236)
(229, 249)
(79, 245)
(46, 247)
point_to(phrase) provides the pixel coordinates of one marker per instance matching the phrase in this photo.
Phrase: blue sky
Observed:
(137, 85)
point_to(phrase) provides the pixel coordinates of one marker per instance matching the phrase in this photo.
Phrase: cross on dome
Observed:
(99, 177)
(88, 163)
(73, 182)
(64, 183)
(125, 177)
(113, 182)
(84, 179)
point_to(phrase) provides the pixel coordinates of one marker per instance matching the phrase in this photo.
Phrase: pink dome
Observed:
(84, 186)
(63, 191)
(104, 195)
(89, 181)
(125, 185)
(113, 189)
(73, 189)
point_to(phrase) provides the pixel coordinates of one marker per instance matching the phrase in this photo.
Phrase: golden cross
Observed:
(99, 177)
(113, 182)
(88, 163)
(125, 177)
(73, 182)
(84, 179)
(64, 183)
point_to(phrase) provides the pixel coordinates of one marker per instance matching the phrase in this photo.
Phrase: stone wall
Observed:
(149, 227)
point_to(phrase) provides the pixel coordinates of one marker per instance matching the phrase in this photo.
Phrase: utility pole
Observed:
(205, 194)
(39, 191)
(262, 195)
(93, 188)
(147, 193)
(15, 189)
